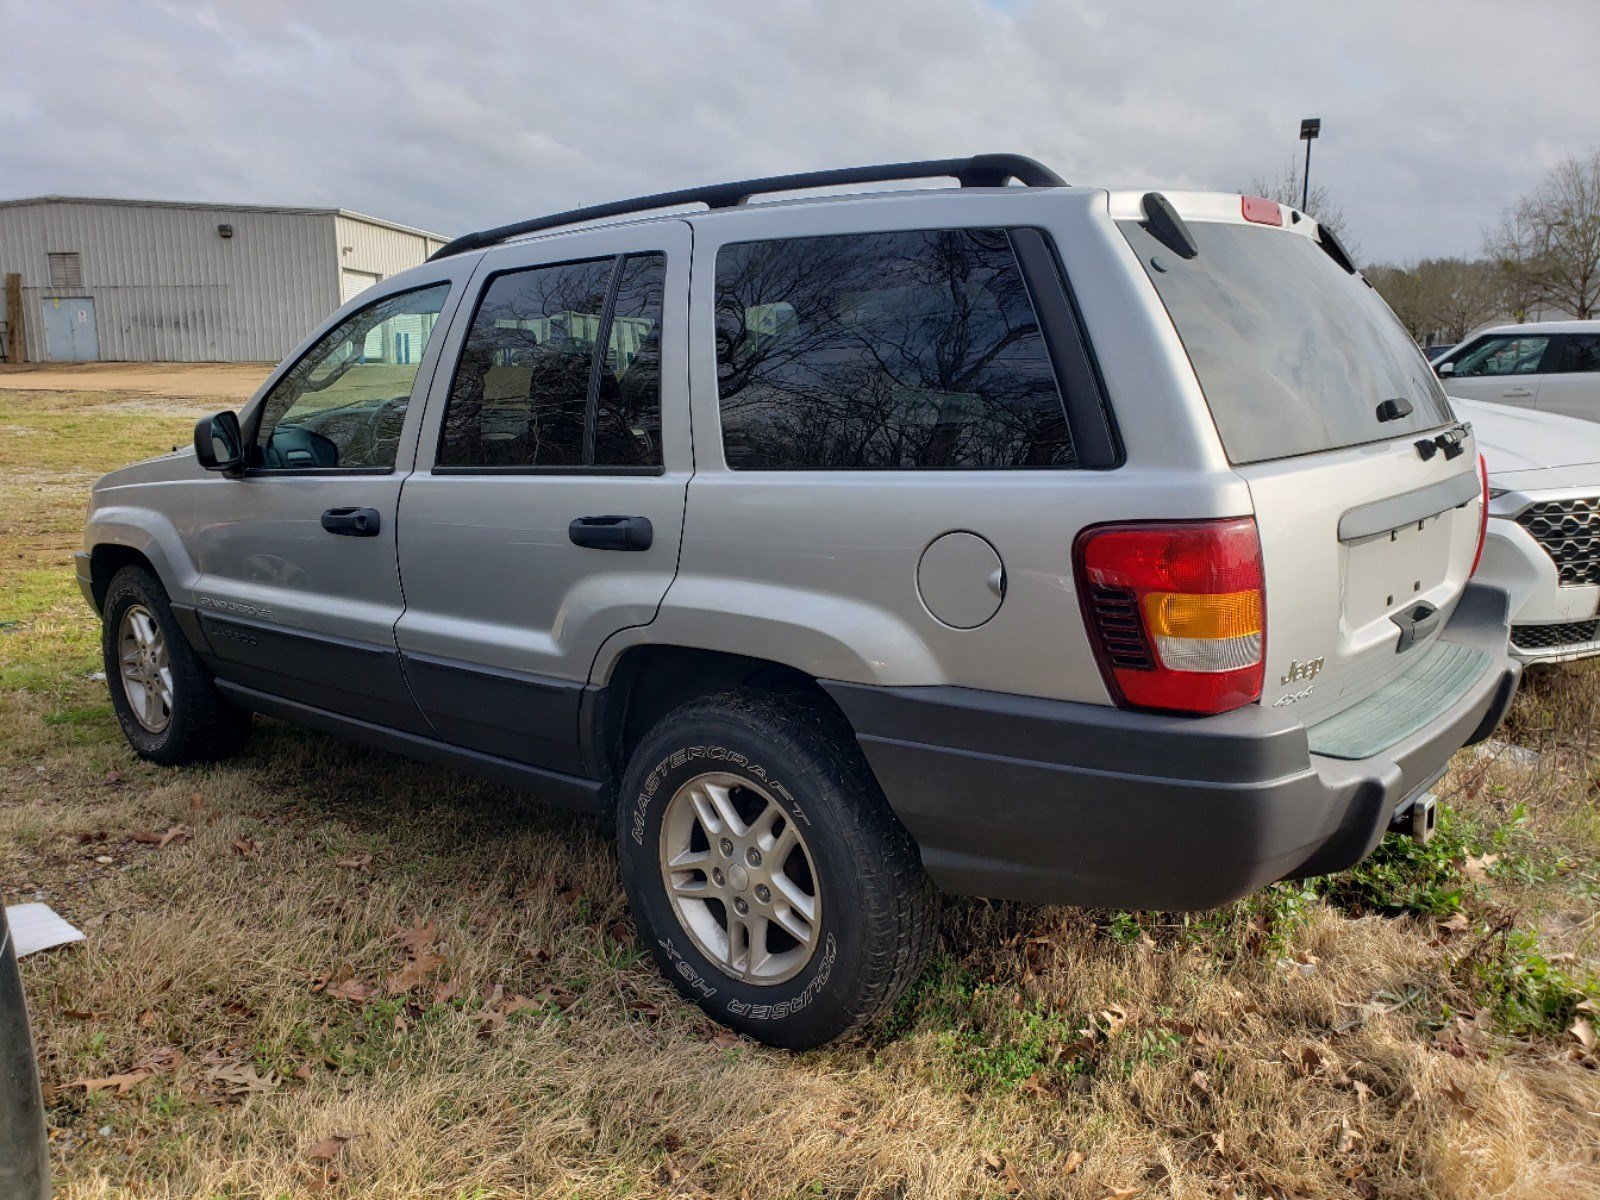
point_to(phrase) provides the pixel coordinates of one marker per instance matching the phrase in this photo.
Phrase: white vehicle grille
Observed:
(1569, 531)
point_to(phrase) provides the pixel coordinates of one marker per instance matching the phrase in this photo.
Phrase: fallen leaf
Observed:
(123, 1083)
(354, 990)
(1583, 1030)
(1074, 1161)
(113, 777)
(246, 847)
(1348, 1137)
(1201, 1082)
(726, 1039)
(646, 1009)
(328, 1149)
(418, 937)
(443, 993)
(1313, 1059)
(414, 973)
(197, 802)
(1363, 1092)
(1114, 1018)
(570, 894)
(145, 838)
(303, 1072)
(178, 833)
(359, 862)
(1477, 866)
(554, 993)
(1124, 1193)
(1458, 1096)
(239, 1079)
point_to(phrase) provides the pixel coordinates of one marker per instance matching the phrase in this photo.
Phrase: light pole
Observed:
(1309, 128)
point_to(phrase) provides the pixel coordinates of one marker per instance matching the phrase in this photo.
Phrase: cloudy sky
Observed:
(453, 116)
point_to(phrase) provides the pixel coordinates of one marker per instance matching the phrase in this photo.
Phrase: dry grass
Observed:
(1298, 1044)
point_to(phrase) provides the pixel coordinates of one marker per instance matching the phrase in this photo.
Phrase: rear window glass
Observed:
(1294, 353)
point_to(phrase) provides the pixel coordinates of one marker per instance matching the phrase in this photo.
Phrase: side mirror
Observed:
(1444, 369)
(218, 443)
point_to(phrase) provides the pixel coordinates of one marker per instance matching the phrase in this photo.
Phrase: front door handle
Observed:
(1519, 392)
(351, 522)
(611, 533)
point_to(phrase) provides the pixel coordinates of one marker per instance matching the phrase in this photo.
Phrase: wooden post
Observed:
(16, 345)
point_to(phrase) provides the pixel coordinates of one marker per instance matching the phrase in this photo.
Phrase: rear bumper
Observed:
(1056, 802)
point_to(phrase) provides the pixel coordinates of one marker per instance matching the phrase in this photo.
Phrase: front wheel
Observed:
(767, 874)
(164, 697)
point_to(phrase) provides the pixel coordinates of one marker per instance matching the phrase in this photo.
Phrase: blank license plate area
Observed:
(1387, 571)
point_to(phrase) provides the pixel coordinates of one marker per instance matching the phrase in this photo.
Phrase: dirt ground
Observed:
(233, 382)
(321, 971)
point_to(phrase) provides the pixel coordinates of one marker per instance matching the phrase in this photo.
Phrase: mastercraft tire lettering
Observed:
(766, 874)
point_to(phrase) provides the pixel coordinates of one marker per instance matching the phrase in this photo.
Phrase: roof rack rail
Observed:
(981, 170)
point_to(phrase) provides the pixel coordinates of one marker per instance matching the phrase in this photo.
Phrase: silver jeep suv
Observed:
(1033, 542)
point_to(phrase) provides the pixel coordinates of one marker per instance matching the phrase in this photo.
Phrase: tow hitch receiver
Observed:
(1417, 820)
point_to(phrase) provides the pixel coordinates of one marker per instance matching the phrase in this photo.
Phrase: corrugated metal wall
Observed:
(379, 250)
(168, 288)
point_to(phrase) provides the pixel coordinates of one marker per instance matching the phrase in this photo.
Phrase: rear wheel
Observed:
(766, 872)
(164, 698)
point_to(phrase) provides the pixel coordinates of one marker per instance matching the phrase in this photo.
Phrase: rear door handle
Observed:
(611, 533)
(351, 522)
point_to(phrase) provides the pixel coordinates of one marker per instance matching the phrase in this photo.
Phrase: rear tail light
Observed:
(1176, 612)
(1483, 515)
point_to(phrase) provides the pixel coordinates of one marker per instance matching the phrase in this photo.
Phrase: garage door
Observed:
(353, 283)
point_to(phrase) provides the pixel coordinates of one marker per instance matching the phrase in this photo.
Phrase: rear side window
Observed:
(1294, 354)
(883, 351)
(561, 368)
(1580, 352)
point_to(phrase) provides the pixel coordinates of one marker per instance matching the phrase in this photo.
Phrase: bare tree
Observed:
(1444, 298)
(1547, 246)
(1286, 188)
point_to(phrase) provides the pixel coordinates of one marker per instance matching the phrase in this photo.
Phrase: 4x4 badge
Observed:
(1301, 670)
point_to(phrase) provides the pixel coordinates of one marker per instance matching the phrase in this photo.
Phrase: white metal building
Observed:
(157, 281)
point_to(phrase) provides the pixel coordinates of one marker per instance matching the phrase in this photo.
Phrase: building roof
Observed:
(195, 204)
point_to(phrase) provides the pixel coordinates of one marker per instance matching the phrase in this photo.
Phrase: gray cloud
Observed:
(1436, 116)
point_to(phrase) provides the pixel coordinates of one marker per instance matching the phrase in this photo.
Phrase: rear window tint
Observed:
(1294, 353)
(884, 351)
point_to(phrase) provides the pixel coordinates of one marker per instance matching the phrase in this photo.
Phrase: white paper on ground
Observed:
(36, 927)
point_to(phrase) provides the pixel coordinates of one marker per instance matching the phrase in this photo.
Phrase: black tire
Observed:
(878, 913)
(201, 726)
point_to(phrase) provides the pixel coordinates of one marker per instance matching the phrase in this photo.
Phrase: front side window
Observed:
(1512, 355)
(884, 351)
(529, 392)
(343, 403)
(1580, 352)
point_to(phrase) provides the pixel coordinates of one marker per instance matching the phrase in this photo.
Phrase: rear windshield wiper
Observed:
(1394, 409)
(1167, 227)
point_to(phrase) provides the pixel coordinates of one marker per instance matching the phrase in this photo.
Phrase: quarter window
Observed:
(1517, 355)
(884, 351)
(343, 403)
(1580, 352)
(529, 391)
